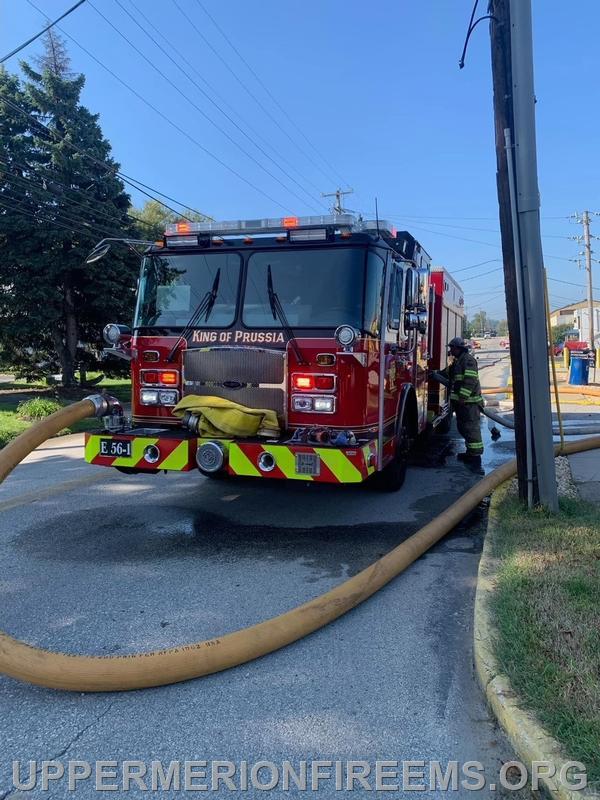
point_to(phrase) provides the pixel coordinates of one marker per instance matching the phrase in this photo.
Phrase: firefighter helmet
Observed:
(458, 341)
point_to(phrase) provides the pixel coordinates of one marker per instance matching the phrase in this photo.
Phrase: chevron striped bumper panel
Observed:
(303, 463)
(174, 452)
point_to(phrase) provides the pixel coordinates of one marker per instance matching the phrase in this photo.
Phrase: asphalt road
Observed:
(92, 561)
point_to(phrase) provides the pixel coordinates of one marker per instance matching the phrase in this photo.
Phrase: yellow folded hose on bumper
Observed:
(141, 670)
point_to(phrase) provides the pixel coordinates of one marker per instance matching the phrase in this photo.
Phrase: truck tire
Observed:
(392, 477)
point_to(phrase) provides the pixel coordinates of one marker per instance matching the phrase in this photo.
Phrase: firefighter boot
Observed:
(469, 458)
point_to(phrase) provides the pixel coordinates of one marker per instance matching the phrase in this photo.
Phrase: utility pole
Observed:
(518, 196)
(585, 221)
(503, 119)
(338, 194)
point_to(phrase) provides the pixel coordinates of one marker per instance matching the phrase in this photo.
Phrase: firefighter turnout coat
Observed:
(466, 399)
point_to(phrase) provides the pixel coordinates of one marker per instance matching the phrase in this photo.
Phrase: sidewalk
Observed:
(586, 474)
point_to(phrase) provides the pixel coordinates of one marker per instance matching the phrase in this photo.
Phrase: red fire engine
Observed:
(330, 324)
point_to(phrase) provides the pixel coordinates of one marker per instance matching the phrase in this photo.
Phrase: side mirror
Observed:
(415, 321)
(97, 253)
(112, 333)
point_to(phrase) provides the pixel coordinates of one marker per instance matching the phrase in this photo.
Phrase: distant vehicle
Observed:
(487, 335)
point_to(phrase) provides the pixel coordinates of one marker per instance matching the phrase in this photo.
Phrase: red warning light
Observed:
(290, 222)
(183, 227)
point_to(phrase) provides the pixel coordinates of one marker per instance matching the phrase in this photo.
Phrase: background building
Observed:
(574, 315)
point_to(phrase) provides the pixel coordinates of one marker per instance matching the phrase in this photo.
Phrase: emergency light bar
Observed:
(339, 222)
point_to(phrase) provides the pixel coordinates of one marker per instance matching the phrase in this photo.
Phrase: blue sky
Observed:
(374, 100)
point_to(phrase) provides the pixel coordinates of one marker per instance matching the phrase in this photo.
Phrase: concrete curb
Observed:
(526, 734)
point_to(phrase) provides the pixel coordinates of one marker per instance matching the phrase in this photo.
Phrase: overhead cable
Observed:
(37, 35)
(85, 153)
(208, 97)
(261, 105)
(173, 48)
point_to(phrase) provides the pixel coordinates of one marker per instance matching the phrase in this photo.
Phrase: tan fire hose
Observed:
(593, 391)
(141, 670)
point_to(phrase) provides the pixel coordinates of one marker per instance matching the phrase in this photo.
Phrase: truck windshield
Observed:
(171, 286)
(316, 288)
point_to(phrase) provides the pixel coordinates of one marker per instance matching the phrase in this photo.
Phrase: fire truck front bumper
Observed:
(301, 462)
(148, 451)
(142, 450)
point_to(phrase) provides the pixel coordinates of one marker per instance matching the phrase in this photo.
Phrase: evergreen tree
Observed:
(56, 204)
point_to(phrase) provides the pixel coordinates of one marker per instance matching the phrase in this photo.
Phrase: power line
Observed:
(270, 94)
(37, 36)
(60, 220)
(424, 217)
(482, 275)
(464, 269)
(28, 182)
(110, 167)
(74, 189)
(468, 228)
(130, 180)
(487, 291)
(569, 283)
(186, 61)
(196, 106)
(166, 119)
(248, 90)
(478, 241)
(59, 213)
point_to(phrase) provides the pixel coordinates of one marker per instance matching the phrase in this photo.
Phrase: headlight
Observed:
(302, 403)
(168, 397)
(149, 397)
(325, 405)
(345, 335)
(314, 403)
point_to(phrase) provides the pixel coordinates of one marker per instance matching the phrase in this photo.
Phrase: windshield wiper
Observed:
(205, 306)
(279, 313)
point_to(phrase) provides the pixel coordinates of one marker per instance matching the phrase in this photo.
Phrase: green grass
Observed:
(547, 612)
(39, 402)
(10, 427)
(118, 387)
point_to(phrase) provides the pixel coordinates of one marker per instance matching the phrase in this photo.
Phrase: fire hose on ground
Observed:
(560, 429)
(193, 660)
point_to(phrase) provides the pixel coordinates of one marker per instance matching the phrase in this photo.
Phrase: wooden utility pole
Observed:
(518, 196)
(588, 265)
(503, 118)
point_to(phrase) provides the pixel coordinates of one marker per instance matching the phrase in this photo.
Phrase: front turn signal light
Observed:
(168, 377)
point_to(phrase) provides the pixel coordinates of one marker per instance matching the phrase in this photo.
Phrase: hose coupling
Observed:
(105, 405)
(191, 421)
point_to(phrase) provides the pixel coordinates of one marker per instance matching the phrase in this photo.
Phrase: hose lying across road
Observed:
(568, 430)
(591, 391)
(141, 670)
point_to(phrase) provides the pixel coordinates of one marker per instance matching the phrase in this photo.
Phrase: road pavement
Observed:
(92, 561)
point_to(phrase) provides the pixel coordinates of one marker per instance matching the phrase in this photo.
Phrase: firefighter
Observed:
(465, 398)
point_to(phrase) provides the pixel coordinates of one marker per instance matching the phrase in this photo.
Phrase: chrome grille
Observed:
(251, 376)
